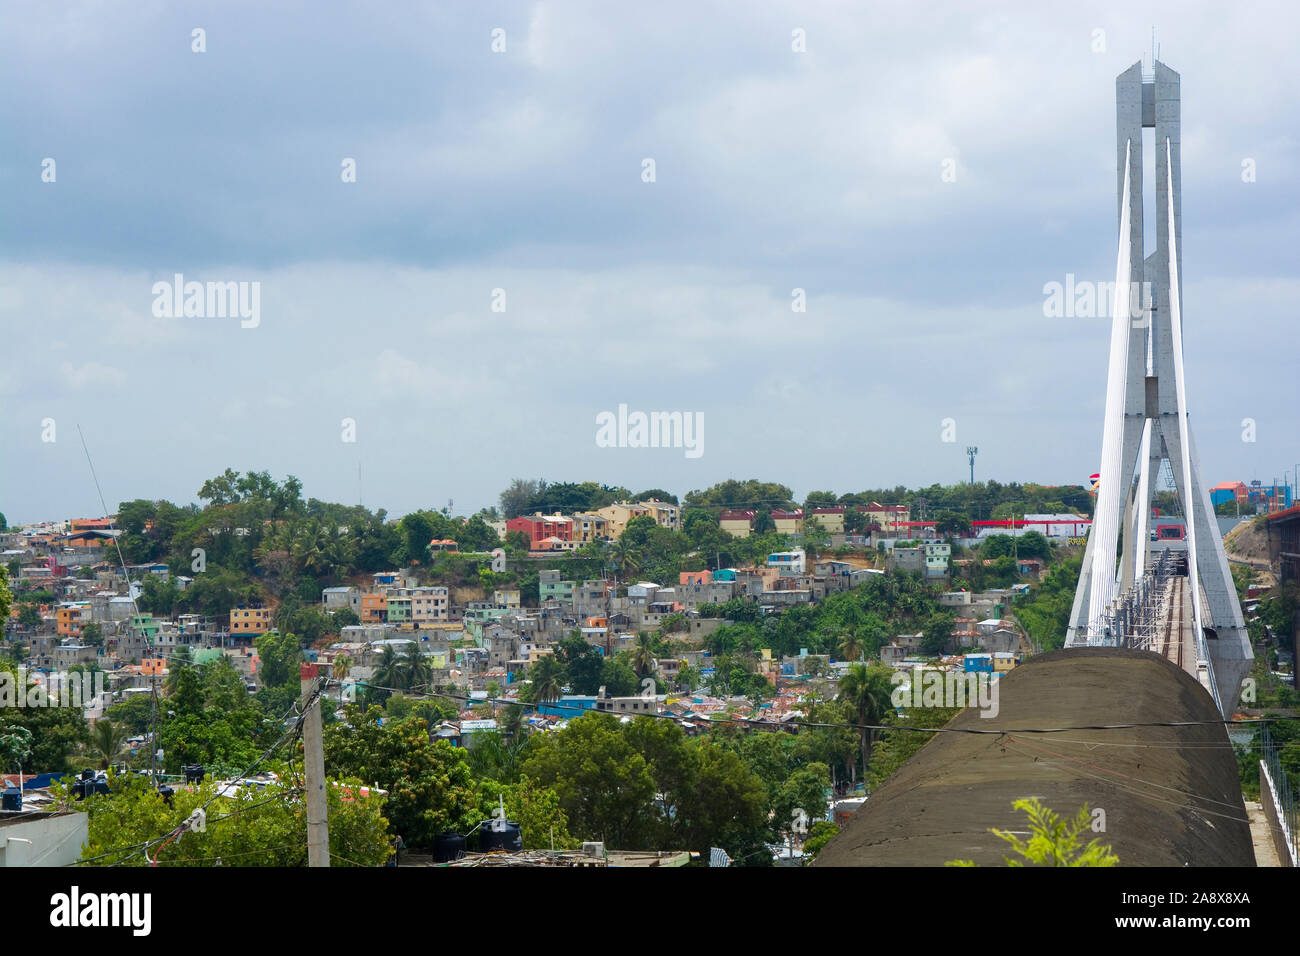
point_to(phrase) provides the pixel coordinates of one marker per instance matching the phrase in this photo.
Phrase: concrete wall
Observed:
(56, 839)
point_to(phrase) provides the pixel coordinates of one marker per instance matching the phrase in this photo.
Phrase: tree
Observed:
(542, 821)
(582, 662)
(389, 674)
(263, 828)
(1033, 544)
(952, 524)
(936, 635)
(725, 804)
(55, 731)
(805, 790)
(1053, 840)
(815, 535)
(516, 498)
(547, 677)
(997, 546)
(819, 834)
(15, 746)
(417, 532)
(417, 672)
(106, 741)
(618, 678)
(430, 786)
(643, 656)
(6, 596)
(867, 690)
(346, 617)
(278, 658)
(604, 786)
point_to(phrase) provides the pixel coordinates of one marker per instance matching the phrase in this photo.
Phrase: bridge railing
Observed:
(1133, 620)
(1274, 778)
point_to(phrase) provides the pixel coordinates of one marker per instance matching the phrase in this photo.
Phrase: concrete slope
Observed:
(1171, 794)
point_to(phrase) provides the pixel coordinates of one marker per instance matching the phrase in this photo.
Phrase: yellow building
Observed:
(249, 621)
(618, 515)
(738, 524)
(892, 519)
(666, 515)
(832, 519)
(589, 527)
(788, 522)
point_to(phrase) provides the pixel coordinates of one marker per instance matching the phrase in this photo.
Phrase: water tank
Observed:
(11, 799)
(447, 847)
(509, 837)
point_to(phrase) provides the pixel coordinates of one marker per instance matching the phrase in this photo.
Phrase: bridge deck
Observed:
(1176, 640)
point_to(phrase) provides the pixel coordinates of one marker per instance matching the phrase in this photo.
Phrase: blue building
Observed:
(570, 705)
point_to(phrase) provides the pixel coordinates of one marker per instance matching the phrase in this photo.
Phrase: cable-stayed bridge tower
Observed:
(1126, 592)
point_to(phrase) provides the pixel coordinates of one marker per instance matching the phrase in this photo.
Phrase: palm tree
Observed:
(548, 680)
(851, 645)
(417, 672)
(643, 656)
(625, 557)
(866, 690)
(107, 740)
(341, 667)
(389, 672)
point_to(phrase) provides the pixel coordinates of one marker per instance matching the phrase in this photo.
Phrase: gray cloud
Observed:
(522, 171)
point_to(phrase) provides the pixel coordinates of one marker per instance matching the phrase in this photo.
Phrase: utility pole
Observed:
(971, 452)
(313, 759)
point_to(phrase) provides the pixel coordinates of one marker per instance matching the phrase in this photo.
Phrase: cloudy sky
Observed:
(523, 170)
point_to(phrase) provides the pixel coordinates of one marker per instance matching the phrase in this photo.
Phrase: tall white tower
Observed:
(1146, 404)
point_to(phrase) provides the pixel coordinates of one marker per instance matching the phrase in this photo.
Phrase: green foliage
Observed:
(1045, 613)
(603, 785)
(996, 546)
(429, 782)
(937, 632)
(542, 821)
(55, 732)
(645, 785)
(278, 659)
(866, 690)
(262, 828)
(1053, 840)
(1277, 611)
(749, 495)
(546, 680)
(345, 617)
(6, 596)
(819, 834)
(210, 719)
(898, 746)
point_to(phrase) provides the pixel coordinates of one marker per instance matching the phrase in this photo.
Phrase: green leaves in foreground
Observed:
(1053, 841)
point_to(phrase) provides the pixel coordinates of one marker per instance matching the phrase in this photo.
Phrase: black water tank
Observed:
(166, 793)
(447, 847)
(11, 799)
(194, 773)
(510, 839)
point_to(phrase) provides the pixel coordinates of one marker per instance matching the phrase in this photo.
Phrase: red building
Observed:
(539, 528)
